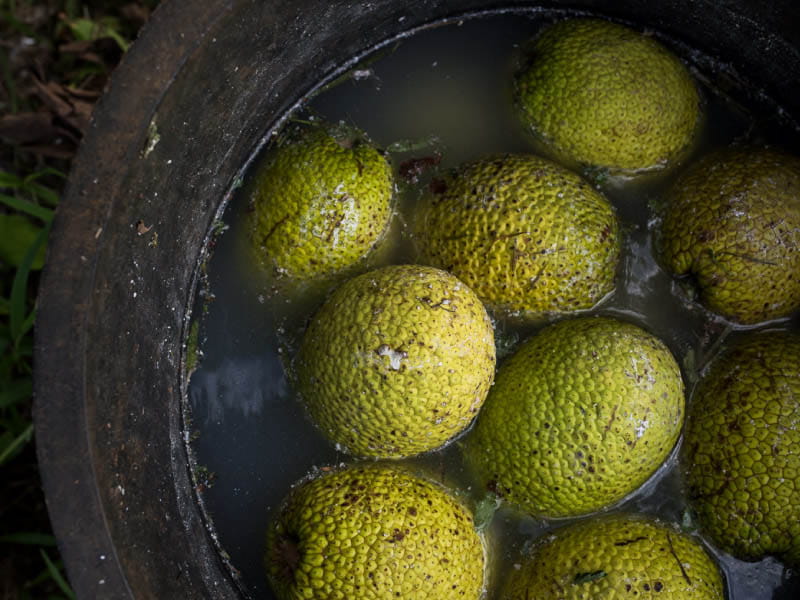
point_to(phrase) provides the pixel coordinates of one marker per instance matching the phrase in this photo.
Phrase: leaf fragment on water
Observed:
(485, 509)
(588, 577)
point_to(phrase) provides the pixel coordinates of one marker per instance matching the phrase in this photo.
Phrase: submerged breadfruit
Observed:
(374, 531)
(732, 223)
(615, 557)
(607, 96)
(740, 453)
(581, 415)
(526, 234)
(320, 202)
(397, 361)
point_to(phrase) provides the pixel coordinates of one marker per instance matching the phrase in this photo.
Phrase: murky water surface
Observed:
(451, 85)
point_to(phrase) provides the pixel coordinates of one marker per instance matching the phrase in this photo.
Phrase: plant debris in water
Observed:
(588, 577)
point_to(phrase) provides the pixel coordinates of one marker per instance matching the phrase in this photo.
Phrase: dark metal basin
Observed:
(186, 109)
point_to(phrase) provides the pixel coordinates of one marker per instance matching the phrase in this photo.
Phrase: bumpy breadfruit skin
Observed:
(733, 222)
(374, 532)
(320, 203)
(579, 416)
(526, 234)
(605, 95)
(397, 361)
(741, 452)
(616, 557)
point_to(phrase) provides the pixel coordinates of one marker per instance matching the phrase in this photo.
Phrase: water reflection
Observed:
(242, 385)
(789, 588)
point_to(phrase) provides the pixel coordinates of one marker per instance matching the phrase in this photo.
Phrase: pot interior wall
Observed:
(186, 110)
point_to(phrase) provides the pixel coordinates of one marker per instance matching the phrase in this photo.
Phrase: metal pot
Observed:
(185, 110)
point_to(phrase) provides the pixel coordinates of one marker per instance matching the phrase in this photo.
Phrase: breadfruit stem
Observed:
(287, 556)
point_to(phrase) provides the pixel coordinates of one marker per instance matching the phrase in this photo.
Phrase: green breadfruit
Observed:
(375, 532)
(616, 557)
(581, 415)
(607, 96)
(732, 221)
(397, 361)
(524, 233)
(740, 452)
(320, 202)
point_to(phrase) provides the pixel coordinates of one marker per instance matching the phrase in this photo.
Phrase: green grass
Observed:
(74, 45)
(24, 227)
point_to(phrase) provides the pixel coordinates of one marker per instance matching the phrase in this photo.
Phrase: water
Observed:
(449, 84)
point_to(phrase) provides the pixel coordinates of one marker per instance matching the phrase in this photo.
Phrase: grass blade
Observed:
(29, 538)
(42, 172)
(19, 289)
(57, 576)
(121, 42)
(9, 180)
(42, 192)
(40, 212)
(24, 349)
(16, 443)
(28, 322)
(16, 392)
